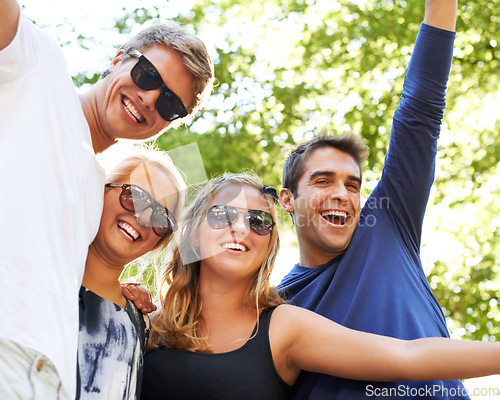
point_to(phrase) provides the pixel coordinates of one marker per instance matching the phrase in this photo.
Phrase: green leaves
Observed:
(287, 70)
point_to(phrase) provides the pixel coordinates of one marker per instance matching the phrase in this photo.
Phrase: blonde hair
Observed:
(178, 323)
(149, 155)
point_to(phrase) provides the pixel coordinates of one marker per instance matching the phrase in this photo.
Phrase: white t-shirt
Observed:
(50, 199)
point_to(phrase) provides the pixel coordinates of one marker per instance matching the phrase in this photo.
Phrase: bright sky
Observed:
(66, 20)
(90, 18)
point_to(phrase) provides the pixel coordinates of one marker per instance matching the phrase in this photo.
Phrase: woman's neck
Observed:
(227, 320)
(221, 296)
(103, 278)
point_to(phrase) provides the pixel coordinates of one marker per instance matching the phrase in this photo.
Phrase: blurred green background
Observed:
(287, 70)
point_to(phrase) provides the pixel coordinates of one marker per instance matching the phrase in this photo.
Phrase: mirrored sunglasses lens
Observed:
(161, 225)
(126, 199)
(135, 199)
(162, 231)
(219, 217)
(261, 222)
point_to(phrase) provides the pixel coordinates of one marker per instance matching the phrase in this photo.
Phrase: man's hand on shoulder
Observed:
(140, 295)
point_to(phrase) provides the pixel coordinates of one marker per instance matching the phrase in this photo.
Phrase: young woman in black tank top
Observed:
(224, 333)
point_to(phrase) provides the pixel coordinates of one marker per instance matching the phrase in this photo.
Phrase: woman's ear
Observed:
(286, 200)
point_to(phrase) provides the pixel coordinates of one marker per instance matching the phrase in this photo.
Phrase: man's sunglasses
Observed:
(135, 199)
(146, 77)
(220, 216)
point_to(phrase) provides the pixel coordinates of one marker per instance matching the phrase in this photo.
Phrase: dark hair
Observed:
(295, 160)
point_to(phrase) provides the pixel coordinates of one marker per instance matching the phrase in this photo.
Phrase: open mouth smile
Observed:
(234, 246)
(335, 217)
(131, 111)
(128, 231)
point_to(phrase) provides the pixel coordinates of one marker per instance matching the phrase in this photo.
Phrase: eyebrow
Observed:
(315, 174)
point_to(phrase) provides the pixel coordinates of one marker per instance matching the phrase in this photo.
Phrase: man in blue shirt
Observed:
(362, 268)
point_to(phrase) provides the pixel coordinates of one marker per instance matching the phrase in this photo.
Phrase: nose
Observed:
(240, 225)
(149, 98)
(144, 217)
(339, 192)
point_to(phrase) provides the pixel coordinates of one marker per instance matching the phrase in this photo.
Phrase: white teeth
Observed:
(127, 228)
(132, 111)
(234, 246)
(335, 213)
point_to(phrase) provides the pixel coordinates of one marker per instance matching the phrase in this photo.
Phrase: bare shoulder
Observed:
(292, 332)
(292, 319)
(286, 312)
(296, 323)
(282, 321)
(289, 312)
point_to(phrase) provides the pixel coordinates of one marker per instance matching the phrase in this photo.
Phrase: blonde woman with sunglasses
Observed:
(142, 201)
(224, 333)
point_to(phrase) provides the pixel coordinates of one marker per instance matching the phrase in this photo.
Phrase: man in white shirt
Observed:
(53, 185)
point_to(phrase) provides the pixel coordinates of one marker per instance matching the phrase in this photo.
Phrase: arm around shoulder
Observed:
(9, 17)
(316, 344)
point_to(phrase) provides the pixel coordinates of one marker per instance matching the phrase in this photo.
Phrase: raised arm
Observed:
(310, 342)
(9, 16)
(410, 160)
(441, 14)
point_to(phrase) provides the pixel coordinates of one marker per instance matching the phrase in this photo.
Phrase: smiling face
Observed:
(123, 235)
(326, 209)
(234, 251)
(124, 110)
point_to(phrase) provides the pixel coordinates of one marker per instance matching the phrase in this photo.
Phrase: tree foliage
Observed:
(289, 69)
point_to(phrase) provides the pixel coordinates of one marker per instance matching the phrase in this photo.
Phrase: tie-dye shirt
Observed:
(110, 349)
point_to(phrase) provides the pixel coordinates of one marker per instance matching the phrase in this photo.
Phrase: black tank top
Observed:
(246, 373)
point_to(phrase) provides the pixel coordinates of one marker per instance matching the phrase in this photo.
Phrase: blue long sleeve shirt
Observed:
(378, 285)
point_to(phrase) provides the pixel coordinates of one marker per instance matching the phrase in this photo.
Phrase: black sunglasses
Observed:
(146, 77)
(220, 216)
(135, 199)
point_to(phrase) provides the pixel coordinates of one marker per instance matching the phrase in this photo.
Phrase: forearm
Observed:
(9, 16)
(441, 14)
(445, 359)
(319, 345)
(380, 358)
(416, 128)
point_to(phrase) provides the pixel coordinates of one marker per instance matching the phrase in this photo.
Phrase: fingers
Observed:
(140, 295)
(127, 292)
